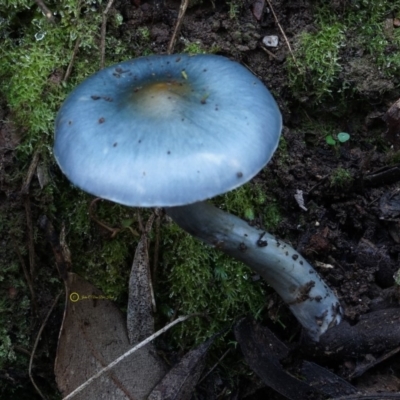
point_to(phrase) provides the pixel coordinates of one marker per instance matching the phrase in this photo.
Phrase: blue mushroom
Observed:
(175, 130)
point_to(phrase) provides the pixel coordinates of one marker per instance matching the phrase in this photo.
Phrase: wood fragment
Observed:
(182, 11)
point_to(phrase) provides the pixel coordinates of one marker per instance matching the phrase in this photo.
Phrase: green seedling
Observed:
(341, 137)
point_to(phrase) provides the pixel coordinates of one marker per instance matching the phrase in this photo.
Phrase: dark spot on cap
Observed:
(178, 59)
(115, 144)
(106, 98)
(205, 70)
(140, 141)
(101, 120)
(295, 256)
(239, 174)
(95, 97)
(168, 152)
(301, 262)
(69, 122)
(242, 247)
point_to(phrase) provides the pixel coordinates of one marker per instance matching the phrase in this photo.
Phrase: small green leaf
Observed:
(330, 140)
(249, 213)
(127, 222)
(343, 137)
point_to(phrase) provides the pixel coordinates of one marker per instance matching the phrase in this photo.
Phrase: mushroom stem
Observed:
(312, 302)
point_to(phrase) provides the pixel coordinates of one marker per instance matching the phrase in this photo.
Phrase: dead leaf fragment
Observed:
(179, 383)
(93, 335)
(140, 320)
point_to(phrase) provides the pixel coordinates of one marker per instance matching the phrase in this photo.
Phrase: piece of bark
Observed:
(264, 353)
(376, 333)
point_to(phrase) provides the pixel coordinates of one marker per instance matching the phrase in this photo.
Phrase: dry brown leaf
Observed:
(140, 321)
(94, 334)
(181, 380)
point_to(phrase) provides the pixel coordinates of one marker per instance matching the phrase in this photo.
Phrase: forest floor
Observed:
(328, 74)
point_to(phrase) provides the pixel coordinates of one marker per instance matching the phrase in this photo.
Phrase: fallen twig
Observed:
(36, 343)
(283, 32)
(269, 52)
(31, 172)
(26, 274)
(114, 231)
(215, 365)
(182, 10)
(127, 354)
(71, 63)
(45, 11)
(103, 33)
(28, 213)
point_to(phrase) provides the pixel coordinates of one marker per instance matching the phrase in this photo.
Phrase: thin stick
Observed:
(31, 245)
(28, 213)
(26, 273)
(269, 52)
(127, 354)
(182, 10)
(282, 31)
(45, 11)
(113, 231)
(31, 172)
(103, 33)
(36, 343)
(214, 366)
(71, 63)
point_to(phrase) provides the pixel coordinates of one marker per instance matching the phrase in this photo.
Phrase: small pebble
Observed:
(271, 41)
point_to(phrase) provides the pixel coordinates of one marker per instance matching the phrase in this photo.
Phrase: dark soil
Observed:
(351, 231)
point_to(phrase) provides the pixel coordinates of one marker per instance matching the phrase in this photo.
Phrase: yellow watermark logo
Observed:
(74, 297)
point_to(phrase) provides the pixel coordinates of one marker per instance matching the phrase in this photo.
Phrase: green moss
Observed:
(202, 279)
(393, 157)
(363, 27)
(234, 8)
(341, 178)
(317, 60)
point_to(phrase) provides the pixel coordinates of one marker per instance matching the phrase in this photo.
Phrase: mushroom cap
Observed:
(166, 130)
